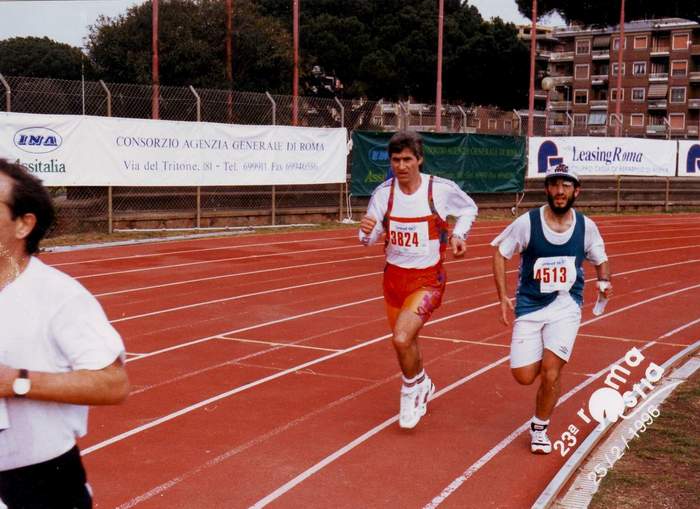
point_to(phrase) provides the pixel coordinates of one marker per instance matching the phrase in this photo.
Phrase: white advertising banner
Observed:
(589, 155)
(689, 158)
(68, 150)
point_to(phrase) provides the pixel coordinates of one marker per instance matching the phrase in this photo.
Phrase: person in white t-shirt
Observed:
(553, 241)
(412, 209)
(58, 353)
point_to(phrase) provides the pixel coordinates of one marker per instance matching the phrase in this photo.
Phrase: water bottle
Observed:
(602, 301)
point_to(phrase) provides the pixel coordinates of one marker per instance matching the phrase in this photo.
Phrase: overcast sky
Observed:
(68, 21)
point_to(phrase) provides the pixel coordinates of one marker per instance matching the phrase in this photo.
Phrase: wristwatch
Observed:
(22, 385)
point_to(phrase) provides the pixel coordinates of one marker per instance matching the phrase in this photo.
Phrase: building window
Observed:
(677, 94)
(614, 119)
(581, 97)
(614, 68)
(680, 41)
(679, 68)
(580, 119)
(583, 47)
(581, 72)
(637, 119)
(638, 94)
(677, 121)
(639, 69)
(616, 43)
(597, 118)
(614, 94)
(640, 42)
(492, 123)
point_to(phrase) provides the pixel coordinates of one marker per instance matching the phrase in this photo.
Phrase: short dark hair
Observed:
(406, 139)
(29, 196)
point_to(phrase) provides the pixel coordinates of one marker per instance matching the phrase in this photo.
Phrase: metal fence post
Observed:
(8, 93)
(198, 222)
(274, 190)
(667, 204)
(109, 98)
(617, 197)
(341, 194)
(404, 117)
(110, 203)
(464, 119)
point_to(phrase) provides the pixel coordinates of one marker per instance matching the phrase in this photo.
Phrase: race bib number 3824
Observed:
(409, 238)
(555, 273)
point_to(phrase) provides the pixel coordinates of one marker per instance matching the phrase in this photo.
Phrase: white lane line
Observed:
(363, 438)
(466, 341)
(651, 240)
(217, 260)
(267, 292)
(284, 345)
(261, 381)
(333, 308)
(476, 466)
(682, 327)
(201, 250)
(236, 274)
(469, 472)
(329, 262)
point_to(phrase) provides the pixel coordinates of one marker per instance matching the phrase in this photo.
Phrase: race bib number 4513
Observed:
(555, 273)
(409, 238)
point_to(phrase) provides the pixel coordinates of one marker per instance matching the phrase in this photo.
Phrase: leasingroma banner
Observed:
(70, 150)
(603, 156)
(689, 158)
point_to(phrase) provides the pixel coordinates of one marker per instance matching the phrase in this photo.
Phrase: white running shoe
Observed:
(414, 402)
(539, 441)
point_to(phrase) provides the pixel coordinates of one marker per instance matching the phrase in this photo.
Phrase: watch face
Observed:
(21, 386)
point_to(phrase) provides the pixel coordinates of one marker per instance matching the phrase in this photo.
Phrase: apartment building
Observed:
(659, 94)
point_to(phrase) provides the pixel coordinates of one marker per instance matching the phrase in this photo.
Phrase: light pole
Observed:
(547, 85)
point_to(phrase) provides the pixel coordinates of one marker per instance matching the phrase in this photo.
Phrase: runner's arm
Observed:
(499, 276)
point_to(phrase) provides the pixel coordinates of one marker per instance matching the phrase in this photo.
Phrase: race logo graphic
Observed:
(548, 156)
(693, 163)
(37, 140)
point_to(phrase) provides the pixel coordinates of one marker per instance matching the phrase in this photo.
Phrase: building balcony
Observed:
(601, 129)
(658, 76)
(658, 129)
(599, 104)
(694, 76)
(692, 130)
(660, 51)
(559, 129)
(599, 79)
(657, 104)
(600, 54)
(694, 103)
(560, 105)
(563, 80)
(540, 94)
(695, 49)
(561, 56)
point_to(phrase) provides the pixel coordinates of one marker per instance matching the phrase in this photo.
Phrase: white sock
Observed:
(539, 421)
(408, 382)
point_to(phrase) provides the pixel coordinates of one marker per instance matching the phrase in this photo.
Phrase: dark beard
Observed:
(560, 211)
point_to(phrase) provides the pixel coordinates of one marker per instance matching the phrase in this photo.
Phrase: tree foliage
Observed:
(388, 49)
(606, 12)
(42, 58)
(192, 46)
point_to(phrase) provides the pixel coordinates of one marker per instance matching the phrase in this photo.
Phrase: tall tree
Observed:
(607, 12)
(42, 58)
(388, 49)
(192, 46)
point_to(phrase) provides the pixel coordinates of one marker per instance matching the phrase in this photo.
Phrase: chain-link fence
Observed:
(104, 209)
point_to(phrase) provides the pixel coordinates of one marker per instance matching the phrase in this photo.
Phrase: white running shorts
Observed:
(553, 327)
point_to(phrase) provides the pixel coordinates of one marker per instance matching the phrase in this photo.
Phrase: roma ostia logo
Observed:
(607, 403)
(378, 165)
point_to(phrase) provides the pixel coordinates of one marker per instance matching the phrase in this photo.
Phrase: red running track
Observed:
(263, 376)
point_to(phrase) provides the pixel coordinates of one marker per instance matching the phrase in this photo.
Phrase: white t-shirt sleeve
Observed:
(451, 200)
(84, 335)
(515, 238)
(593, 244)
(378, 204)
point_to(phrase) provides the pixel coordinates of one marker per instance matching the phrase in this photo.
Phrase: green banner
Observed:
(478, 163)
